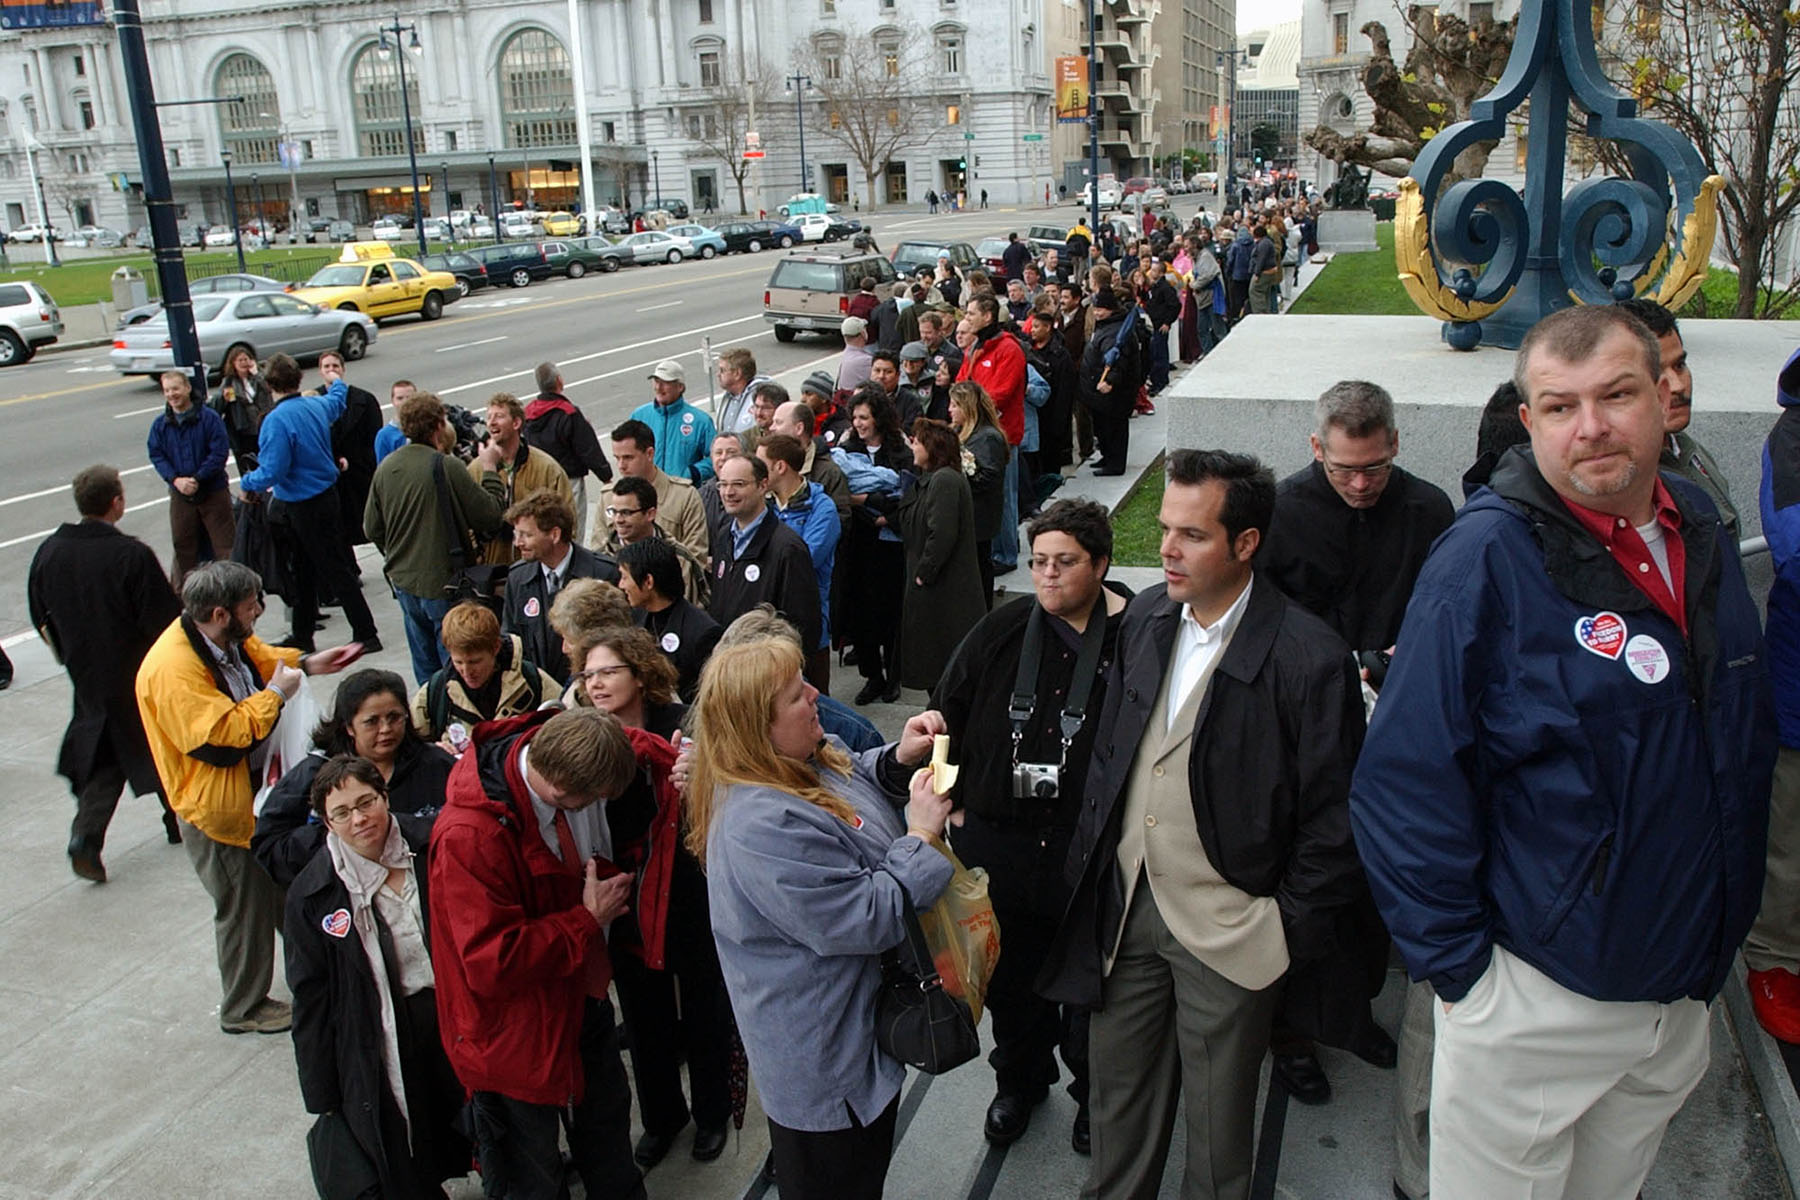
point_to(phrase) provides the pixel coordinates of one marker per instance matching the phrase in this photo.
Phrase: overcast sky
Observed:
(1255, 14)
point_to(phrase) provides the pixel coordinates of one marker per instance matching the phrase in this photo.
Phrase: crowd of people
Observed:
(1528, 744)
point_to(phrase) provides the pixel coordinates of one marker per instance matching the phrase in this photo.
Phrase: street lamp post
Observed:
(798, 84)
(237, 232)
(1230, 63)
(256, 192)
(384, 50)
(32, 148)
(1094, 123)
(494, 201)
(656, 178)
(449, 229)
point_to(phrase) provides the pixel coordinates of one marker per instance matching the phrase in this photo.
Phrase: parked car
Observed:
(34, 233)
(561, 224)
(804, 202)
(575, 257)
(1204, 181)
(263, 323)
(656, 245)
(437, 229)
(605, 219)
(205, 285)
(707, 242)
(480, 228)
(387, 229)
(675, 208)
(1111, 194)
(519, 223)
(820, 227)
(992, 253)
(914, 253)
(515, 264)
(811, 289)
(752, 236)
(98, 237)
(188, 233)
(223, 235)
(471, 275)
(1048, 237)
(29, 320)
(372, 279)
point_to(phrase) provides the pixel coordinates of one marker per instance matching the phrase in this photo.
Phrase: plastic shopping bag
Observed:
(963, 935)
(290, 741)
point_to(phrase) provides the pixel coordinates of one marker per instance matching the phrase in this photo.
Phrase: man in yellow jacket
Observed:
(210, 693)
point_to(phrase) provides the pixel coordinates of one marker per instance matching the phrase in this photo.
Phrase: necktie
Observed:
(595, 967)
(551, 581)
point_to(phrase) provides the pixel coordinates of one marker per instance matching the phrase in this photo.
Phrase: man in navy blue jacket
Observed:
(1563, 797)
(187, 447)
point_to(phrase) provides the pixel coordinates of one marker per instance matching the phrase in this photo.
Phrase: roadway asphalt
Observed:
(65, 411)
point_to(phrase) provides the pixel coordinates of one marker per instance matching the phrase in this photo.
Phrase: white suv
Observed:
(28, 319)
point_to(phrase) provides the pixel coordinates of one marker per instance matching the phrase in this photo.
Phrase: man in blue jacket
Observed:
(1563, 796)
(684, 434)
(295, 463)
(809, 512)
(1772, 951)
(187, 447)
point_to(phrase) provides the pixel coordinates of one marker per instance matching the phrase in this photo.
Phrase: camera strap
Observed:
(1087, 665)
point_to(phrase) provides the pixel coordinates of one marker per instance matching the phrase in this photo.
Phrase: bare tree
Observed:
(869, 94)
(720, 125)
(1726, 74)
(1450, 66)
(63, 189)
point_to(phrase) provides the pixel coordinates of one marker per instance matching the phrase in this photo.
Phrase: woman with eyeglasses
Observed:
(662, 947)
(369, 719)
(372, 1066)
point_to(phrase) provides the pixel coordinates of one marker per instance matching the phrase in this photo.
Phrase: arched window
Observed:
(537, 100)
(250, 128)
(375, 99)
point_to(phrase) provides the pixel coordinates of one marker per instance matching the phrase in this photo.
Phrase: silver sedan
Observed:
(263, 323)
(654, 246)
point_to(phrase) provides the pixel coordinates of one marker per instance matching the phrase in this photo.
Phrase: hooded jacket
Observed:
(554, 425)
(684, 438)
(1780, 502)
(997, 362)
(1554, 768)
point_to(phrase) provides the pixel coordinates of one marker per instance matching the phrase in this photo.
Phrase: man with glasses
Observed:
(757, 559)
(1349, 537)
(632, 513)
(1021, 786)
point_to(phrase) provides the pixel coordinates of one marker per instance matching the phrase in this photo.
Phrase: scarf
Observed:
(362, 878)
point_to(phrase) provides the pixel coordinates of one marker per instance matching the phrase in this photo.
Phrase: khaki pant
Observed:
(1172, 1029)
(246, 914)
(578, 498)
(1774, 940)
(1539, 1093)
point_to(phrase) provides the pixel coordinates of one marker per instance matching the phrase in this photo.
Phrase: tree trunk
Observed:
(869, 182)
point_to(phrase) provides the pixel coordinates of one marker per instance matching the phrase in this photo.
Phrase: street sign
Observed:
(752, 139)
(1034, 137)
(753, 154)
(968, 137)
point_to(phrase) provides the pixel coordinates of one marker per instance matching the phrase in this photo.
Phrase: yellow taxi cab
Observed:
(561, 224)
(370, 278)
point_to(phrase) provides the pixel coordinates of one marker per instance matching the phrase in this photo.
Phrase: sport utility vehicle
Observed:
(1049, 237)
(910, 255)
(515, 264)
(812, 289)
(28, 319)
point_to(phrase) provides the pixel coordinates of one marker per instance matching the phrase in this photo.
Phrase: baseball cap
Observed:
(914, 352)
(1105, 298)
(853, 327)
(820, 382)
(669, 371)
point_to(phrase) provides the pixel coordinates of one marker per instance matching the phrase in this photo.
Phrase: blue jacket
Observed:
(684, 437)
(293, 448)
(1781, 525)
(813, 515)
(1237, 256)
(387, 440)
(1599, 807)
(191, 443)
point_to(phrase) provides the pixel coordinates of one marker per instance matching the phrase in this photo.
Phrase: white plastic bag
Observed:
(290, 741)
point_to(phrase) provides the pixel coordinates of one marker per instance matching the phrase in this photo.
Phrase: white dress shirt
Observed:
(1198, 648)
(588, 825)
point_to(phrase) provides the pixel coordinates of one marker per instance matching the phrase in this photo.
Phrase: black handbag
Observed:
(916, 1020)
(483, 583)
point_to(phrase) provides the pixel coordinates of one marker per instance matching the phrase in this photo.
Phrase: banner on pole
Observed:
(1071, 90)
(50, 14)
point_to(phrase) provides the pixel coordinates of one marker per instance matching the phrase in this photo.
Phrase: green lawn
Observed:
(1135, 535)
(1365, 284)
(87, 280)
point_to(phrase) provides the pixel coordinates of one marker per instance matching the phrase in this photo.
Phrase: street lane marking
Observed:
(466, 345)
(464, 387)
(69, 391)
(138, 412)
(654, 307)
(57, 491)
(41, 534)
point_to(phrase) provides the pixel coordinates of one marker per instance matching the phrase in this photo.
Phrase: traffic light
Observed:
(962, 164)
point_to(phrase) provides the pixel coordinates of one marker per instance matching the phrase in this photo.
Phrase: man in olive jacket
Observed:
(1212, 863)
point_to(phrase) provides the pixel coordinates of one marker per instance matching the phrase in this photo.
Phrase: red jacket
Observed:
(509, 935)
(653, 860)
(997, 363)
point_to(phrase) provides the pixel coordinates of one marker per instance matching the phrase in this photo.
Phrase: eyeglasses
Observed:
(1042, 564)
(341, 816)
(735, 485)
(387, 720)
(623, 512)
(1369, 471)
(600, 673)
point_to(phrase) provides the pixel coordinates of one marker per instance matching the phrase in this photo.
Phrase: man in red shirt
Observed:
(997, 362)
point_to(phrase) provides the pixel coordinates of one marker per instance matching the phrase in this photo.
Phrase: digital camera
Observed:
(1036, 781)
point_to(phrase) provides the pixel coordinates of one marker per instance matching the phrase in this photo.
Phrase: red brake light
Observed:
(118, 343)
(843, 304)
(165, 344)
(765, 298)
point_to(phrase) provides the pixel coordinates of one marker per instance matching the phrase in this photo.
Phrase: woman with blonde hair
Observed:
(811, 865)
(984, 455)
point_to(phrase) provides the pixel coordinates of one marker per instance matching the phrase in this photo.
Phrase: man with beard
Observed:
(210, 692)
(1682, 451)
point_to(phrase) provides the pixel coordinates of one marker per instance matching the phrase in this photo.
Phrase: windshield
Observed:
(343, 275)
(208, 307)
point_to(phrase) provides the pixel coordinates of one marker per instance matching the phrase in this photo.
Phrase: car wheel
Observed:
(521, 277)
(13, 349)
(755, 246)
(348, 308)
(609, 265)
(784, 333)
(577, 270)
(707, 252)
(674, 257)
(462, 288)
(353, 344)
(433, 307)
(787, 240)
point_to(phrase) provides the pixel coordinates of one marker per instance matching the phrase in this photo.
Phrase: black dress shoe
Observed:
(371, 644)
(871, 691)
(708, 1143)
(1081, 1135)
(84, 859)
(1007, 1118)
(652, 1148)
(1376, 1048)
(891, 692)
(1303, 1077)
(846, 659)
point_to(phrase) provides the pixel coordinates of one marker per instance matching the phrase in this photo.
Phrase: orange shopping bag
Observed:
(963, 935)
